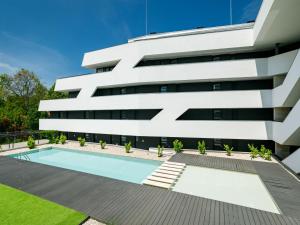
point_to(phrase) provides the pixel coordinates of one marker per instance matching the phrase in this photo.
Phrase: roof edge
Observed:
(193, 32)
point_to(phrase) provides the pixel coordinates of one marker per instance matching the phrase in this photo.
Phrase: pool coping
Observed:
(80, 152)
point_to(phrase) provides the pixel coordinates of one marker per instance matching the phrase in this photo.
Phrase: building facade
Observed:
(234, 85)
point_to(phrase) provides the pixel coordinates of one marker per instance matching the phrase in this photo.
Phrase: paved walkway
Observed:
(119, 202)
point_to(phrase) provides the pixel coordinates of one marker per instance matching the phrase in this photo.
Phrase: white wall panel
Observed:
(258, 130)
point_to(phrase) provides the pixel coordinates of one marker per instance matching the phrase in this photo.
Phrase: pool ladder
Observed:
(26, 157)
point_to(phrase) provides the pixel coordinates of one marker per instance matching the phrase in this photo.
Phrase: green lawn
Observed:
(18, 207)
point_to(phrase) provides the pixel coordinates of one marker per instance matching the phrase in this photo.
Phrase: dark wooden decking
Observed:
(215, 162)
(110, 200)
(284, 188)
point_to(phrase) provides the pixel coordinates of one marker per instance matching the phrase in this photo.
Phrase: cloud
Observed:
(17, 52)
(250, 11)
(6, 68)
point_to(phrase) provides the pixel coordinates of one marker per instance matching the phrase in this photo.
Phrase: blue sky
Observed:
(49, 37)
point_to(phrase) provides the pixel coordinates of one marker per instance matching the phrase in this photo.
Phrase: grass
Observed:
(18, 207)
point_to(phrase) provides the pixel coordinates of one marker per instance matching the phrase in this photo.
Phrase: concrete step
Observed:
(175, 163)
(167, 172)
(171, 169)
(173, 166)
(157, 184)
(161, 179)
(156, 174)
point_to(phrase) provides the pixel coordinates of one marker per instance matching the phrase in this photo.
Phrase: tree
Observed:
(20, 95)
(24, 85)
(52, 94)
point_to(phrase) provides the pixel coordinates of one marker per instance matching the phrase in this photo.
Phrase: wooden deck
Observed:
(215, 162)
(110, 200)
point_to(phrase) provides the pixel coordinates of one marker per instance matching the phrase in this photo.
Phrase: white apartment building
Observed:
(234, 85)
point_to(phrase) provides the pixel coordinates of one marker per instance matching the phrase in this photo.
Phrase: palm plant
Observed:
(201, 147)
(177, 145)
(63, 139)
(102, 144)
(228, 150)
(253, 151)
(160, 150)
(81, 141)
(127, 147)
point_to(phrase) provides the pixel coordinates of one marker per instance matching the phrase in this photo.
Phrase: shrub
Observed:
(253, 151)
(177, 145)
(201, 147)
(228, 149)
(268, 155)
(81, 141)
(50, 135)
(30, 142)
(56, 140)
(262, 151)
(63, 139)
(127, 147)
(102, 144)
(160, 150)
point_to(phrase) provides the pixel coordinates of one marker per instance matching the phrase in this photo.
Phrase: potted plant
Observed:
(177, 145)
(253, 151)
(31, 142)
(268, 154)
(127, 147)
(102, 144)
(81, 141)
(160, 150)
(228, 150)
(201, 147)
(63, 139)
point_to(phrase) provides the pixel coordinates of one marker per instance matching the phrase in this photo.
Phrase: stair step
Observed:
(161, 179)
(172, 166)
(156, 174)
(175, 163)
(171, 169)
(157, 184)
(167, 172)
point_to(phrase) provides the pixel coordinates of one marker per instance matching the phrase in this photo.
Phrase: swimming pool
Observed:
(118, 167)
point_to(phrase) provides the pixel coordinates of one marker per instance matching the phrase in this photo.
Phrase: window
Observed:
(188, 87)
(164, 141)
(216, 86)
(89, 115)
(105, 69)
(123, 91)
(217, 114)
(218, 144)
(73, 94)
(123, 115)
(164, 89)
(205, 58)
(123, 140)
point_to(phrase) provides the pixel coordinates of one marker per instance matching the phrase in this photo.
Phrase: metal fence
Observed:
(13, 140)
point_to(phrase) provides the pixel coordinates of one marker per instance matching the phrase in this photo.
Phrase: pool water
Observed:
(118, 167)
